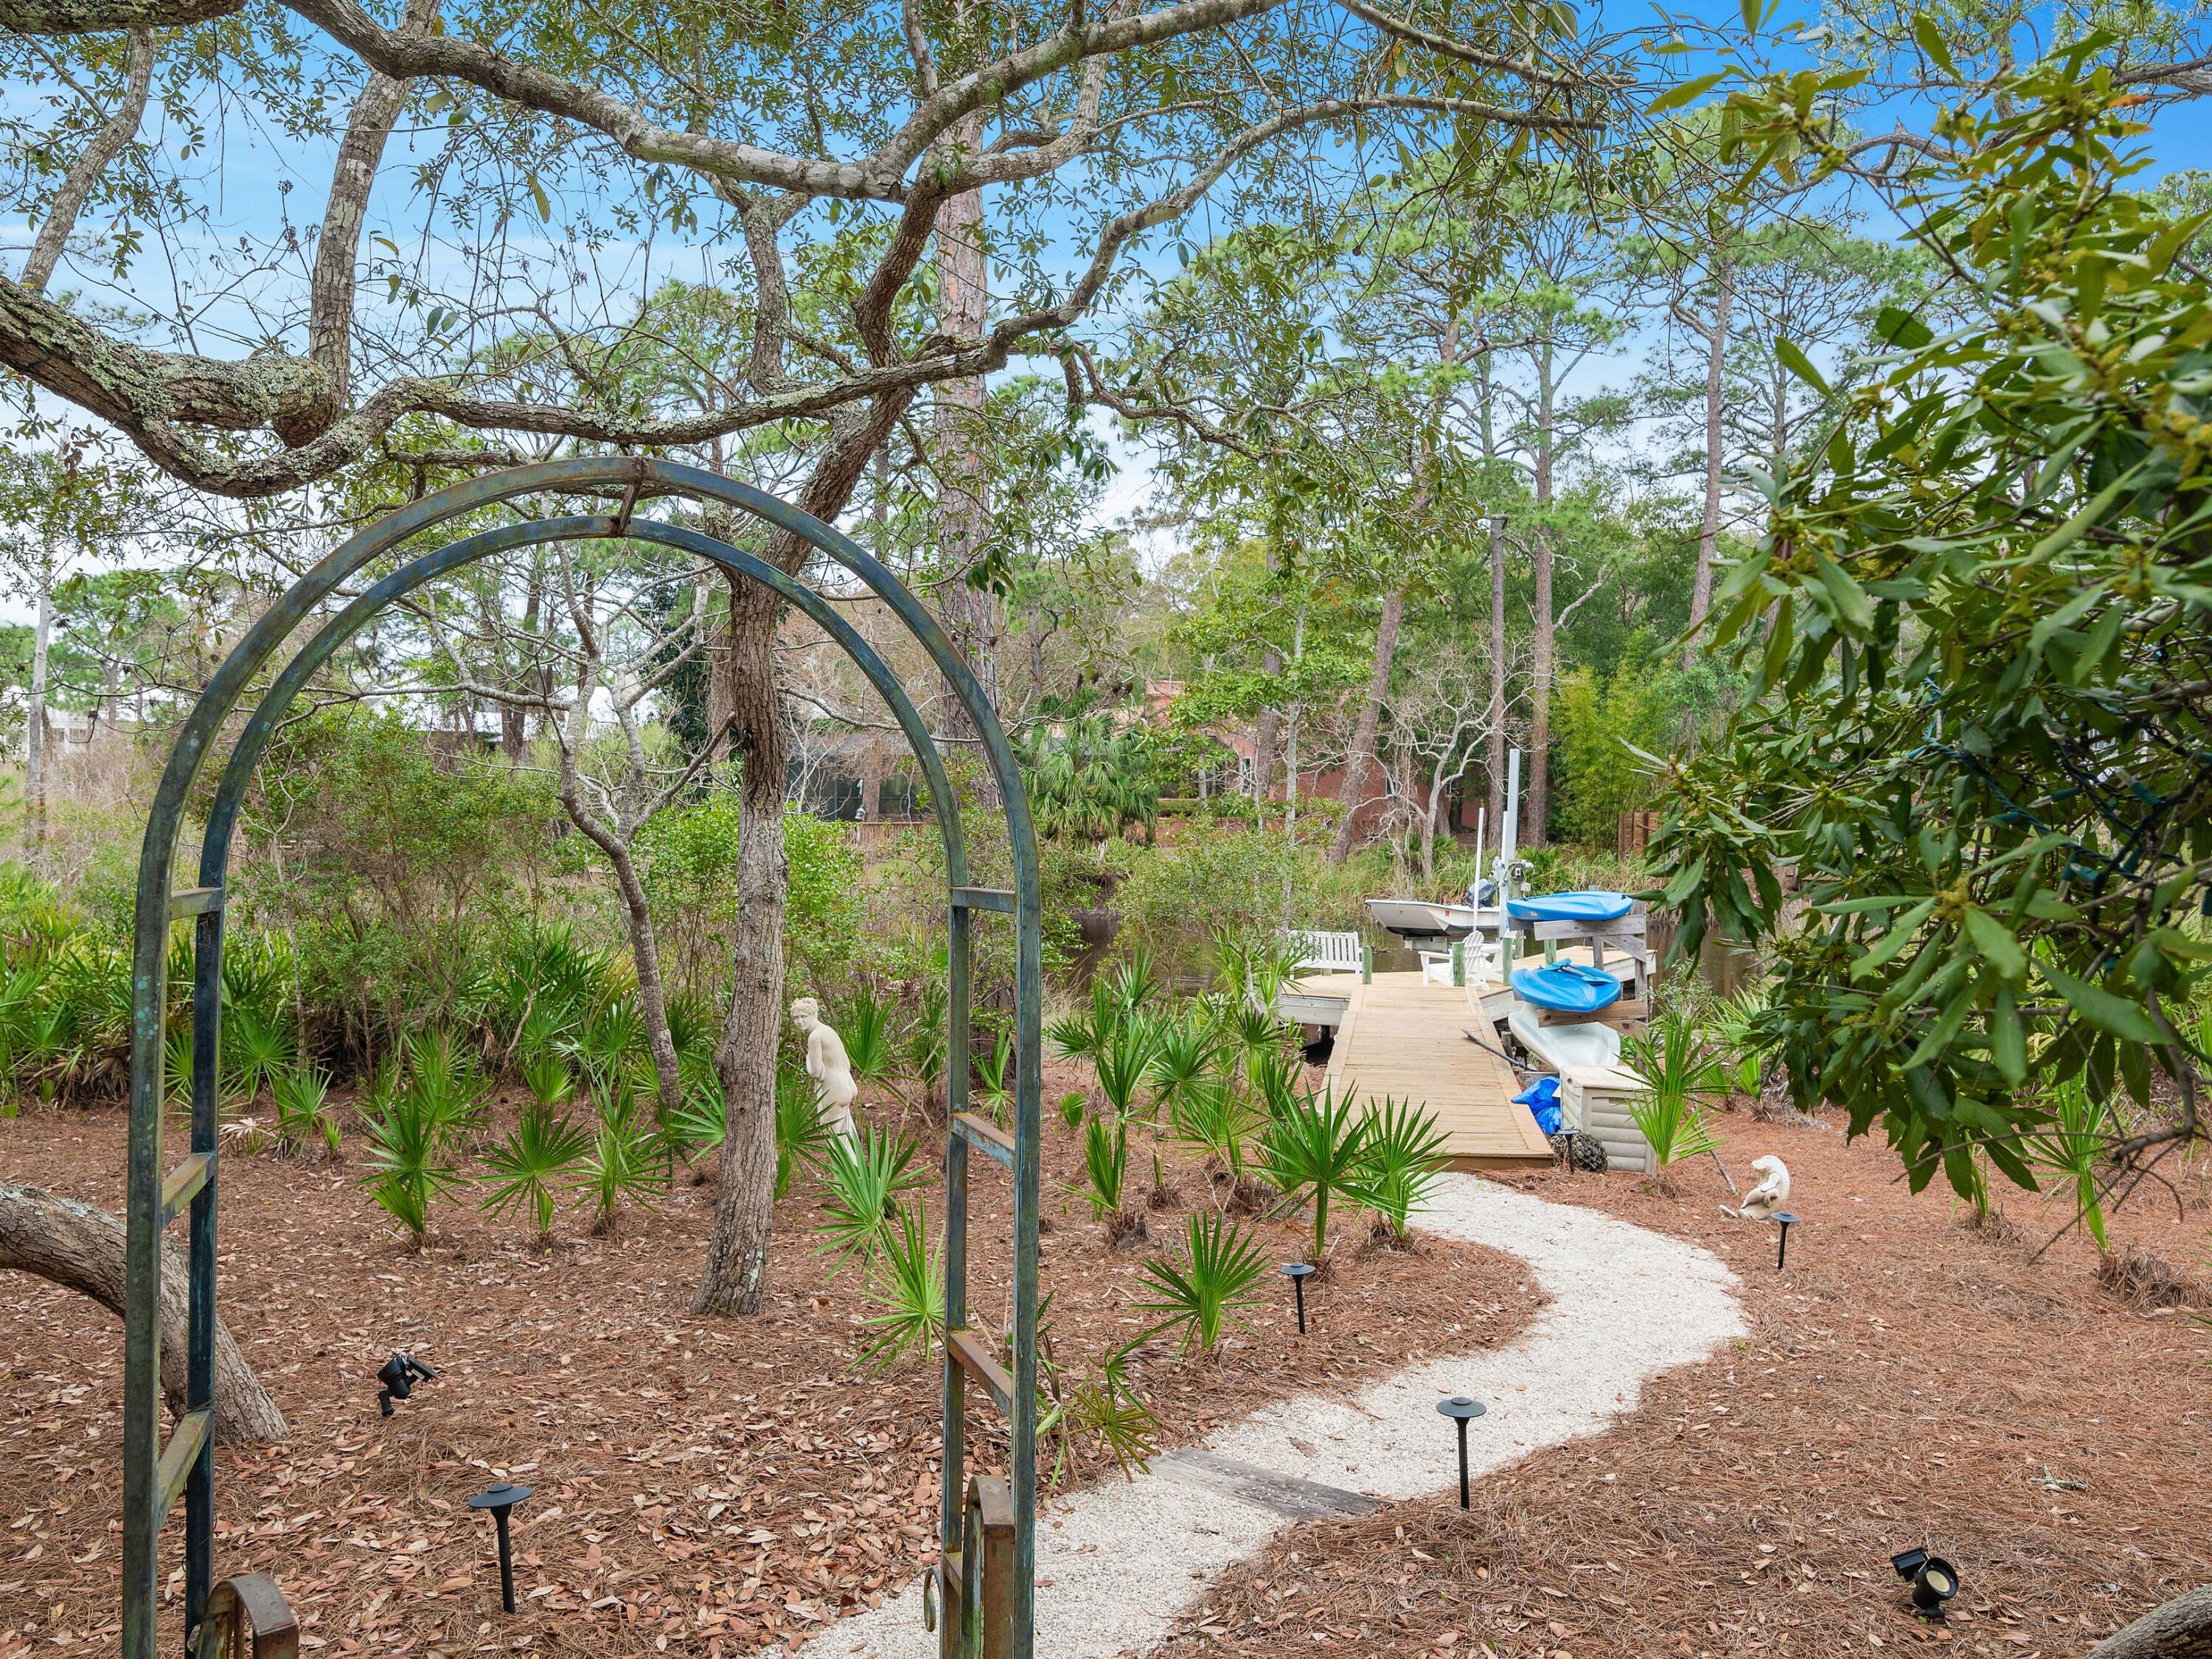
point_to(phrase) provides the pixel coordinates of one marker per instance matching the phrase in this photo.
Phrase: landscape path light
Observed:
(1782, 1251)
(1298, 1272)
(500, 1500)
(1935, 1581)
(1462, 1411)
(399, 1374)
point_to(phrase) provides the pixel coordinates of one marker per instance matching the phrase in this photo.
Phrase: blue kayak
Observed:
(1567, 987)
(1570, 907)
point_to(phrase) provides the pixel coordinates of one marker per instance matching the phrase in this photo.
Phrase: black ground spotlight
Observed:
(1462, 1411)
(1298, 1272)
(1782, 1251)
(399, 1376)
(499, 1500)
(1935, 1581)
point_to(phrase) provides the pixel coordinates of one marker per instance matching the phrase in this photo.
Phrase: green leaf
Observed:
(1676, 97)
(2123, 1019)
(1931, 42)
(1902, 328)
(2069, 532)
(2065, 616)
(1894, 940)
(2009, 1037)
(1800, 365)
(1852, 603)
(1996, 943)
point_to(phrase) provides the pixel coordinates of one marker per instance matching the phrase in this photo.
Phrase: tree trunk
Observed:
(735, 1278)
(1538, 806)
(81, 1248)
(1494, 756)
(972, 613)
(1354, 794)
(2182, 1629)
(744, 693)
(34, 739)
(644, 948)
(1539, 803)
(1266, 732)
(1701, 589)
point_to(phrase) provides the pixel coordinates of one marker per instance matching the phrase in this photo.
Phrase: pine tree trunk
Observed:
(81, 1248)
(2182, 1629)
(1266, 733)
(35, 728)
(1495, 752)
(1353, 794)
(1709, 530)
(1539, 801)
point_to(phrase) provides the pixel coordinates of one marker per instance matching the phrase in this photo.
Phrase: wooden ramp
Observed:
(1404, 1037)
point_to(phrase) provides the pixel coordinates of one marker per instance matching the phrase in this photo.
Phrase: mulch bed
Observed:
(701, 1485)
(1909, 1380)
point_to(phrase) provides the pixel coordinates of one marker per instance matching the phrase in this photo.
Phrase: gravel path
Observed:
(1119, 1562)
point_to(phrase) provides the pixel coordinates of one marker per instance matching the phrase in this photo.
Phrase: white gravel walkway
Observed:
(1118, 1562)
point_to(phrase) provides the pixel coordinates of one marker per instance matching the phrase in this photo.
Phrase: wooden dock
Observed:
(1402, 1037)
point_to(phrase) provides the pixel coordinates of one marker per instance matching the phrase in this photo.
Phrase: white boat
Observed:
(1412, 919)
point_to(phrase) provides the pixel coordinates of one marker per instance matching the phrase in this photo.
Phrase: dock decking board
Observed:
(1404, 1037)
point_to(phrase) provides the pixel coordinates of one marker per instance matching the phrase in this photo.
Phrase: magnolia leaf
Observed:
(1996, 943)
(2123, 1019)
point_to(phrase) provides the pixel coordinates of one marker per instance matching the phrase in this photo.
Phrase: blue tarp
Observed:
(1567, 987)
(1570, 907)
(1542, 1097)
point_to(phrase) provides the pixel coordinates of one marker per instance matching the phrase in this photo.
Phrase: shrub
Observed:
(1105, 1173)
(255, 1048)
(926, 1041)
(1676, 1071)
(546, 1075)
(1740, 1048)
(445, 1080)
(1405, 1160)
(994, 1077)
(1219, 1117)
(1072, 1105)
(866, 1173)
(1314, 1147)
(540, 1153)
(801, 1134)
(300, 1093)
(873, 1039)
(2069, 1144)
(411, 1159)
(1099, 1403)
(627, 1161)
(1251, 883)
(908, 1287)
(1218, 1267)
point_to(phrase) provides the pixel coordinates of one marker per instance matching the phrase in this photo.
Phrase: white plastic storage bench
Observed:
(1595, 1103)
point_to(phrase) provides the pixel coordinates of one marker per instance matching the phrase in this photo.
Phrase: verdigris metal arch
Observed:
(151, 1482)
(246, 754)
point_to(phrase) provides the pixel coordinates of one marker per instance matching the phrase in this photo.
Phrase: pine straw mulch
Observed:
(701, 1485)
(1908, 1380)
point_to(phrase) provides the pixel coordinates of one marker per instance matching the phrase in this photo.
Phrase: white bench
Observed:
(1322, 952)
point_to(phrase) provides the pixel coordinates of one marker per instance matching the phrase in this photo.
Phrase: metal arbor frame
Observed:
(984, 1576)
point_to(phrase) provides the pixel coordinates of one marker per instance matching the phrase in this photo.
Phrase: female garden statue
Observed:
(835, 1092)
